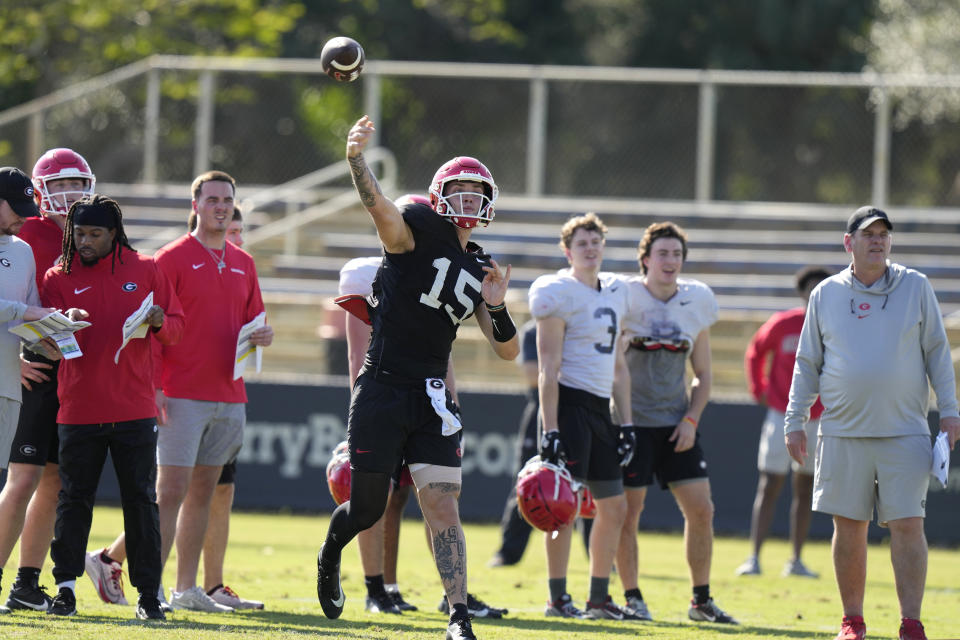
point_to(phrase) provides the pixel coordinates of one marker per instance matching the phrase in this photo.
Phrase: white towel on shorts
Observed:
(438, 398)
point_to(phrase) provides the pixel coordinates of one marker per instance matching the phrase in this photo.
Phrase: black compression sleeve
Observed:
(503, 327)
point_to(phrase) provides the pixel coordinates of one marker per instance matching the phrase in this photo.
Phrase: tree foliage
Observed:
(47, 45)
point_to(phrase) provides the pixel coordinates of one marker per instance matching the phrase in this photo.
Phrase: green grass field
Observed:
(272, 558)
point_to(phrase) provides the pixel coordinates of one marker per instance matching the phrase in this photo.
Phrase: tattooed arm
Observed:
(394, 233)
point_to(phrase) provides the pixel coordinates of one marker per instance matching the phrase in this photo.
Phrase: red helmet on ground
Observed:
(60, 164)
(588, 508)
(547, 495)
(338, 473)
(466, 169)
(412, 198)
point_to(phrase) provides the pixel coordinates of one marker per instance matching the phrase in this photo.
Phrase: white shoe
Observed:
(797, 568)
(162, 597)
(106, 577)
(750, 567)
(638, 607)
(196, 599)
(226, 596)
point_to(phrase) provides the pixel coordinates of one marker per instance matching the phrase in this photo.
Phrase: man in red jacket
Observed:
(202, 405)
(60, 178)
(779, 336)
(106, 394)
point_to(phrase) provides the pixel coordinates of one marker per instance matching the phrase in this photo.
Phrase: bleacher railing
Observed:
(556, 131)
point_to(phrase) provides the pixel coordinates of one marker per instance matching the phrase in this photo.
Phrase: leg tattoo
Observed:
(450, 552)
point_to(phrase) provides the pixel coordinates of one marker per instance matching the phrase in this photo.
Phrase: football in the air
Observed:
(342, 59)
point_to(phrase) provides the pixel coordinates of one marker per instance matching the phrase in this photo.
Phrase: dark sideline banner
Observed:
(291, 430)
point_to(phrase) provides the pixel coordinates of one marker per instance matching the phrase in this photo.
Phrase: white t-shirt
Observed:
(593, 321)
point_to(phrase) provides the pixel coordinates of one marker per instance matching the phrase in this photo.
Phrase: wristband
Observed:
(495, 307)
(627, 426)
(503, 327)
(691, 421)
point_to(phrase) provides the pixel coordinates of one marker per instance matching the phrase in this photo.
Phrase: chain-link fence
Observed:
(553, 131)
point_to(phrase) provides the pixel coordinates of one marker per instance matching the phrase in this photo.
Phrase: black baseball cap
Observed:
(866, 216)
(16, 188)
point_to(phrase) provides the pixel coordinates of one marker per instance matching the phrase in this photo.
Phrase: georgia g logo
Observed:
(4, 262)
(863, 310)
(129, 286)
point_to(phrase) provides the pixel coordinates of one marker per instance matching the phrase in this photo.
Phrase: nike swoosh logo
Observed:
(75, 292)
(685, 302)
(34, 606)
(197, 266)
(339, 601)
(364, 450)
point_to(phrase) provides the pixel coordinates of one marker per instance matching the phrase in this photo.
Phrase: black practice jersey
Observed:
(422, 297)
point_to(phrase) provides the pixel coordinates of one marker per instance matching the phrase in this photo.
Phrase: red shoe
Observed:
(853, 628)
(911, 629)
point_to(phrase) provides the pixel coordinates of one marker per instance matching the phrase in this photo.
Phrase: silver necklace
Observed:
(221, 265)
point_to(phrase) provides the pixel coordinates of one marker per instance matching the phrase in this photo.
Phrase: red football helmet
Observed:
(588, 508)
(412, 198)
(59, 164)
(338, 473)
(547, 495)
(470, 170)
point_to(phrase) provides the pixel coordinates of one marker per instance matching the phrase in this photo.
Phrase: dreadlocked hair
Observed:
(120, 241)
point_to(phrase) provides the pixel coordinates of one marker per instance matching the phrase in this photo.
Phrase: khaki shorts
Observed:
(773, 456)
(201, 433)
(854, 475)
(9, 415)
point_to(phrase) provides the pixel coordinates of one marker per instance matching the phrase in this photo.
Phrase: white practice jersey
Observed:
(661, 336)
(356, 277)
(593, 321)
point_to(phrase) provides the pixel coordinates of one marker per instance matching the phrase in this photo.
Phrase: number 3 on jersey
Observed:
(464, 280)
(612, 329)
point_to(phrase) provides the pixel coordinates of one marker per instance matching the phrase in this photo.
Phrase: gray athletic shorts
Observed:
(773, 456)
(854, 475)
(200, 433)
(9, 415)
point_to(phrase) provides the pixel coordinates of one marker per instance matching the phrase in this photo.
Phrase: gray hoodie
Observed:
(18, 288)
(868, 352)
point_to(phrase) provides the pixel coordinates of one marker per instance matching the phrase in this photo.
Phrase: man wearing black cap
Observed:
(106, 395)
(872, 344)
(19, 302)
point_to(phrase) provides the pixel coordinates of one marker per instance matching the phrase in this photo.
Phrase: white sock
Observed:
(69, 584)
(392, 588)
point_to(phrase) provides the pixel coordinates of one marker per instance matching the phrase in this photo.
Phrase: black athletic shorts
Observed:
(393, 420)
(588, 435)
(229, 473)
(36, 441)
(655, 458)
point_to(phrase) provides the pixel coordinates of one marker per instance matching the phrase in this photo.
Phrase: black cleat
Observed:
(329, 592)
(381, 603)
(148, 608)
(64, 604)
(29, 597)
(402, 604)
(476, 607)
(460, 629)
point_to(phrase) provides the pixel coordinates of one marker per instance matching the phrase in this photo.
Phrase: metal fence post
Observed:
(371, 103)
(881, 149)
(34, 138)
(536, 136)
(205, 105)
(706, 141)
(151, 127)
